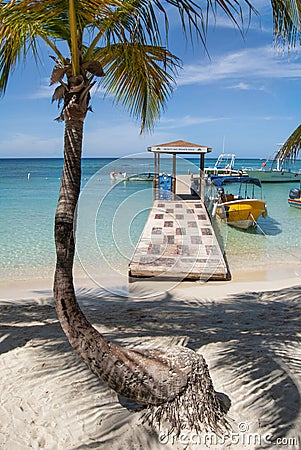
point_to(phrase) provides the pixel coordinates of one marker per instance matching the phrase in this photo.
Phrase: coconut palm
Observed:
(287, 31)
(125, 53)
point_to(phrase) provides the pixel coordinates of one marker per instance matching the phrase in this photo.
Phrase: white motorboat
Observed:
(276, 171)
(224, 166)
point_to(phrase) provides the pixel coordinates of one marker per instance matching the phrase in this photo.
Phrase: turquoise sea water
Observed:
(112, 215)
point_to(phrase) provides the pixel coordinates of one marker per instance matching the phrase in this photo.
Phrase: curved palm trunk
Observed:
(121, 369)
(174, 384)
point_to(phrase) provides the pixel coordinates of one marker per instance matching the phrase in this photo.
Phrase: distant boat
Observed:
(294, 197)
(239, 206)
(224, 166)
(144, 176)
(118, 176)
(278, 172)
(123, 176)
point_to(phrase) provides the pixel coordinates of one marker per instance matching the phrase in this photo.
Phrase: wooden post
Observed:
(202, 162)
(174, 156)
(202, 166)
(155, 182)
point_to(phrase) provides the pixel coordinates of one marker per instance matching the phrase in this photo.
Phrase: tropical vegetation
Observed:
(287, 32)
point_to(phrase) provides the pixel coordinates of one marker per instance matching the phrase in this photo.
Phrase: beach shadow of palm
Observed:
(259, 333)
(20, 323)
(250, 341)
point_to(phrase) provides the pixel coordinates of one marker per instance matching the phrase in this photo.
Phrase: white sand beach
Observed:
(248, 332)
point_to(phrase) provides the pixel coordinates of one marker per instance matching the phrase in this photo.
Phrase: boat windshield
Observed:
(221, 181)
(241, 187)
(225, 161)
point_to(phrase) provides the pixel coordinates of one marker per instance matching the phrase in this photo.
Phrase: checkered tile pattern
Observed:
(178, 241)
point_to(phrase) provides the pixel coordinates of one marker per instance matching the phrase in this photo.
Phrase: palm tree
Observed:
(287, 31)
(126, 54)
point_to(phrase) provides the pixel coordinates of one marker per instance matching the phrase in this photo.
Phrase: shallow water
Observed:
(112, 216)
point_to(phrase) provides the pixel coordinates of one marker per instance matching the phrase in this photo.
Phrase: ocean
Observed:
(111, 217)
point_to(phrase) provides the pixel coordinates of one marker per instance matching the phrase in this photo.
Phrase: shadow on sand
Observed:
(259, 333)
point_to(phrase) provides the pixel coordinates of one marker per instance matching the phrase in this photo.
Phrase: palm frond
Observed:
(21, 25)
(57, 75)
(128, 21)
(140, 78)
(94, 67)
(287, 21)
(58, 94)
(74, 38)
(146, 22)
(291, 148)
(194, 20)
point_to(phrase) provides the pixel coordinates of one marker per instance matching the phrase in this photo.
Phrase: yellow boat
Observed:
(241, 208)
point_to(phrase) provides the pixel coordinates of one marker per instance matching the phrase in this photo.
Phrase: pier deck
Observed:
(178, 241)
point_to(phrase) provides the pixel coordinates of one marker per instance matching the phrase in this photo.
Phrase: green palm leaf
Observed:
(292, 146)
(21, 24)
(287, 30)
(139, 78)
(287, 21)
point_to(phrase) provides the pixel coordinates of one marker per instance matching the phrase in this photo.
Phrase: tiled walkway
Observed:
(178, 241)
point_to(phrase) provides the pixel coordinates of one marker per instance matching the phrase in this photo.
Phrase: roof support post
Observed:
(174, 172)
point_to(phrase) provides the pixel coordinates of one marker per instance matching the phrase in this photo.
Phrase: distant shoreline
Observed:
(123, 156)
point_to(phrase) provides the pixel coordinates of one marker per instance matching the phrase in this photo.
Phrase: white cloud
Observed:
(43, 91)
(249, 64)
(180, 122)
(242, 86)
(220, 20)
(120, 138)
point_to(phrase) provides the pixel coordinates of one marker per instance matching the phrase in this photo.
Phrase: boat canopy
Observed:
(220, 181)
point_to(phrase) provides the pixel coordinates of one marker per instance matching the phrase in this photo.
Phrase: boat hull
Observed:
(141, 177)
(242, 213)
(225, 172)
(295, 202)
(275, 176)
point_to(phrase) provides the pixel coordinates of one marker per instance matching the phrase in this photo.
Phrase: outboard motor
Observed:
(294, 193)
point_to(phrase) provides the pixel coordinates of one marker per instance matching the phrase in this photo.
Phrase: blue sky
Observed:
(244, 98)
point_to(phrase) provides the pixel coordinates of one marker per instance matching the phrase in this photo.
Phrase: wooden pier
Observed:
(178, 240)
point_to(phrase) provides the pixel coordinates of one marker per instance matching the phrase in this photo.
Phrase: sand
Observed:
(248, 332)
